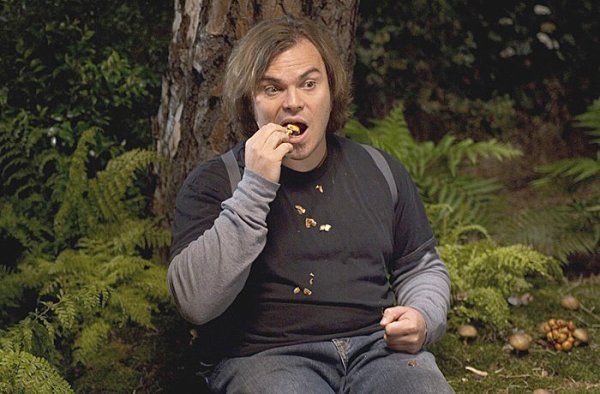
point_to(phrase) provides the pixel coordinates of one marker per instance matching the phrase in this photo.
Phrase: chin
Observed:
(294, 155)
(300, 152)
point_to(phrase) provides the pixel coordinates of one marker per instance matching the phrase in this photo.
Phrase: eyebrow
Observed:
(266, 78)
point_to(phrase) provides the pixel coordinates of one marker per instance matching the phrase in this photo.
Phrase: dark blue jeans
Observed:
(361, 364)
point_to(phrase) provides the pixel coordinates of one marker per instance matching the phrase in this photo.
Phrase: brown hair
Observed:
(254, 52)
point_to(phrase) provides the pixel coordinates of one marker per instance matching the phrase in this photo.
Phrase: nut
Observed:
(319, 188)
(325, 227)
(561, 334)
(296, 290)
(310, 223)
(292, 129)
(544, 328)
(301, 210)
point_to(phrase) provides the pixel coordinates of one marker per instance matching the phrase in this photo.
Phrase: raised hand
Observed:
(266, 149)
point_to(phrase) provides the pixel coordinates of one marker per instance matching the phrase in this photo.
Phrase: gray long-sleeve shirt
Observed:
(252, 253)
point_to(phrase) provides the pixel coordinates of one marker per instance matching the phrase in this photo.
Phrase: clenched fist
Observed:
(266, 149)
(405, 329)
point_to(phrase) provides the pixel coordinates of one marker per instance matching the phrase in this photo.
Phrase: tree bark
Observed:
(190, 126)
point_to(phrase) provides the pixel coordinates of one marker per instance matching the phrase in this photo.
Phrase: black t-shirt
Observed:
(309, 284)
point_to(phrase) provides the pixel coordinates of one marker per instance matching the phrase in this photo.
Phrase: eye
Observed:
(310, 84)
(271, 90)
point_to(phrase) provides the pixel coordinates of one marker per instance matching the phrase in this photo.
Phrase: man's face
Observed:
(295, 90)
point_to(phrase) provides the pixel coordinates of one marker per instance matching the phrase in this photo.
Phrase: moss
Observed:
(572, 372)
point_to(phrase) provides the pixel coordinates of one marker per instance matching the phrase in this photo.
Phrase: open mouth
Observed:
(295, 128)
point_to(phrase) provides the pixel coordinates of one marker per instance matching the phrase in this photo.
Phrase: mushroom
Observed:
(581, 335)
(570, 302)
(467, 331)
(520, 341)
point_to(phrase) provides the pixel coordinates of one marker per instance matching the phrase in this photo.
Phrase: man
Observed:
(294, 274)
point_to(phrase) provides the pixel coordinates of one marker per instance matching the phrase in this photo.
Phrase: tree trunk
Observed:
(190, 126)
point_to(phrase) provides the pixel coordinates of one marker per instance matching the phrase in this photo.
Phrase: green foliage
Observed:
(573, 227)
(568, 372)
(591, 120)
(465, 66)
(483, 275)
(77, 86)
(66, 70)
(555, 230)
(21, 372)
(83, 293)
(456, 200)
(580, 170)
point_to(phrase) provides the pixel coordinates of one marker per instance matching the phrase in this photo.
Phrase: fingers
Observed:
(403, 336)
(265, 151)
(266, 132)
(405, 329)
(391, 314)
(402, 327)
(407, 343)
(275, 139)
(283, 149)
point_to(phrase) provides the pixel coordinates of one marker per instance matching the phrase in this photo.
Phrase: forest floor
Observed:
(577, 371)
(148, 362)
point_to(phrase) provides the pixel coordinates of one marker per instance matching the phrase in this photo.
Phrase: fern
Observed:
(591, 120)
(83, 293)
(74, 217)
(574, 227)
(555, 230)
(89, 340)
(22, 372)
(580, 170)
(576, 171)
(439, 170)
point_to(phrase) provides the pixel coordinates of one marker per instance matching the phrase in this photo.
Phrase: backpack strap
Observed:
(384, 167)
(233, 171)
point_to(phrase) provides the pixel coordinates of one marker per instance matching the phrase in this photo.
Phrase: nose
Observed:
(293, 100)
